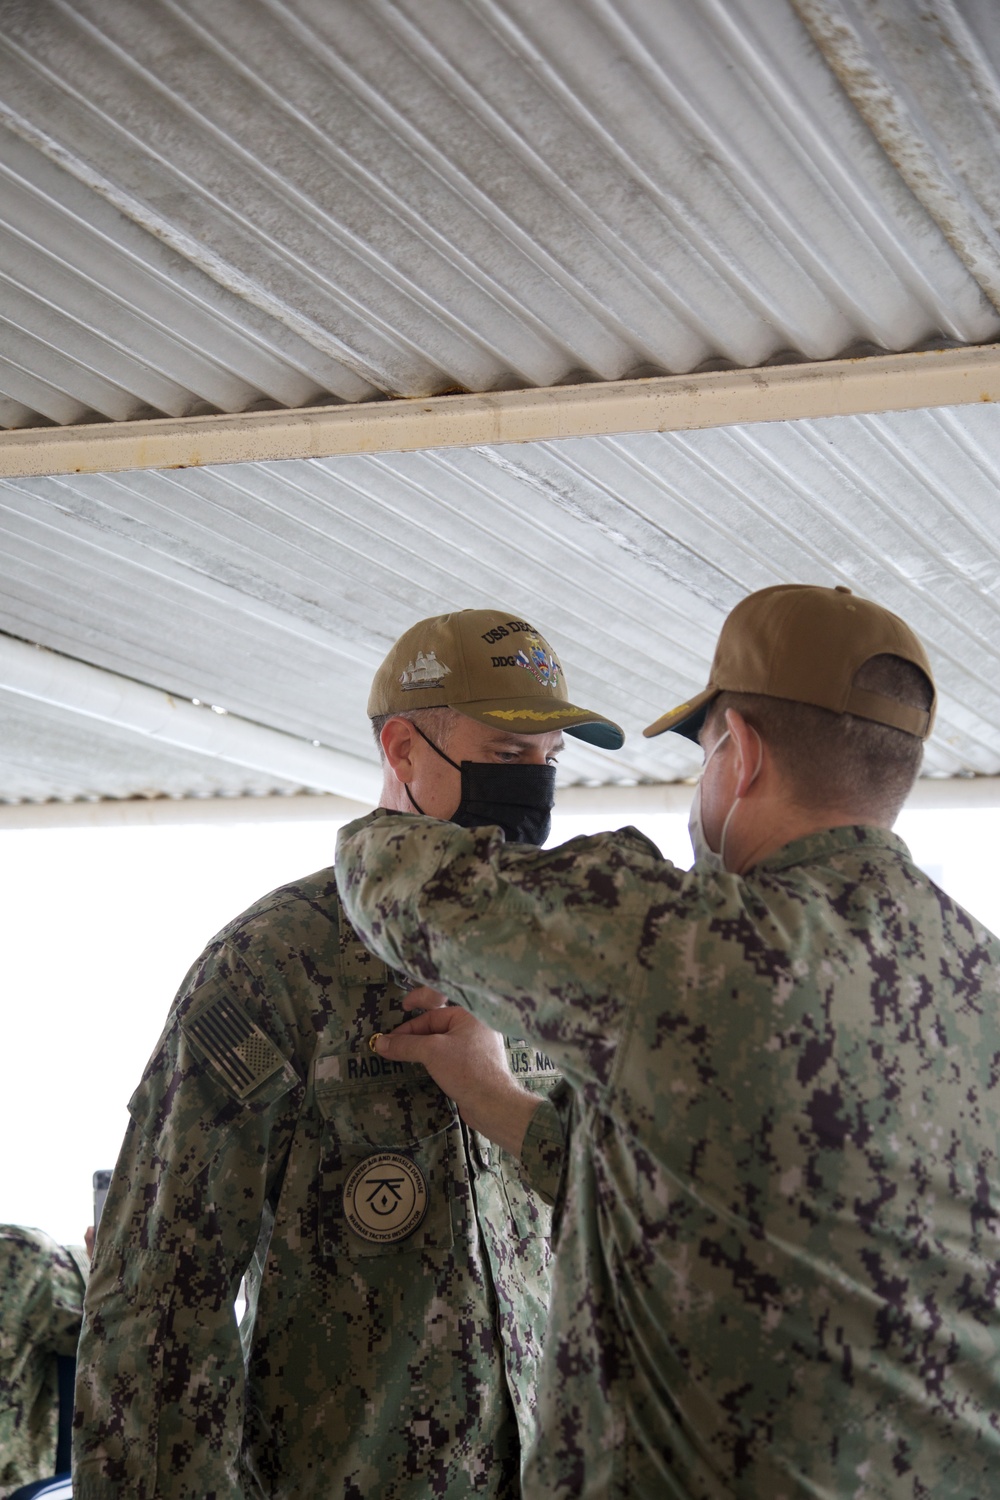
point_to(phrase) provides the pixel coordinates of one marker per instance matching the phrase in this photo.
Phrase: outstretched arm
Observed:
(539, 943)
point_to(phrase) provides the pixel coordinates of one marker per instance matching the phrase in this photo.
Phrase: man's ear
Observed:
(751, 747)
(397, 739)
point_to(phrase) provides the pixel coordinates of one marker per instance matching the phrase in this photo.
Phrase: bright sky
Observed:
(102, 923)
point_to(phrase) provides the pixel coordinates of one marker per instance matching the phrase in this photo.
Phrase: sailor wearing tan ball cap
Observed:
(469, 711)
(776, 1265)
(807, 644)
(840, 691)
(397, 1265)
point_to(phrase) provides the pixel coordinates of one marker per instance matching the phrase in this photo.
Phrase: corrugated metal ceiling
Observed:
(53, 755)
(101, 317)
(257, 203)
(925, 78)
(272, 590)
(327, 197)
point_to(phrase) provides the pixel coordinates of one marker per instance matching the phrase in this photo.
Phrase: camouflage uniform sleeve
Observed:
(160, 1375)
(41, 1293)
(543, 1153)
(43, 1286)
(70, 1270)
(531, 937)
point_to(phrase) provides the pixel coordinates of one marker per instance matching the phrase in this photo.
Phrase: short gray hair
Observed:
(437, 723)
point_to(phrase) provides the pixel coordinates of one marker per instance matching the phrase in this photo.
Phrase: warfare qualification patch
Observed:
(385, 1198)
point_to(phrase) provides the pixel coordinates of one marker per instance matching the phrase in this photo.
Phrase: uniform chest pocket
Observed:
(386, 1163)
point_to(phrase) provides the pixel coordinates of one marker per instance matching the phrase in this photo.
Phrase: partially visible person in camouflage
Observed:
(397, 1263)
(777, 1262)
(41, 1306)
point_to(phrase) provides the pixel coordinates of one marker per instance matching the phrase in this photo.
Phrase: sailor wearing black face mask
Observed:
(394, 1326)
(469, 710)
(517, 798)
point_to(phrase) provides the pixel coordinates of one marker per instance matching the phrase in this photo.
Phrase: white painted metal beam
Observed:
(75, 686)
(929, 792)
(777, 393)
(617, 802)
(675, 796)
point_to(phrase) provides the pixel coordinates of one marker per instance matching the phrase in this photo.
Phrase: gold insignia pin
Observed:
(373, 1039)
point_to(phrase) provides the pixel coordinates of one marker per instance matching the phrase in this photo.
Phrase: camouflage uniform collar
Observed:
(818, 847)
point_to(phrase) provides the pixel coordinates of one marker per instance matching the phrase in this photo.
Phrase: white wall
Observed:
(101, 923)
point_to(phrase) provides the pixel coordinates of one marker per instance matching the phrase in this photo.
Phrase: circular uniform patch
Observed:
(385, 1198)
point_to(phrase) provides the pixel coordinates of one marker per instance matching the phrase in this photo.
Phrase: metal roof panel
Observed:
(280, 200)
(272, 590)
(50, 755)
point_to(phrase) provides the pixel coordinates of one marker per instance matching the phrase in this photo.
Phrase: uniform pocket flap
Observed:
(385, 1109)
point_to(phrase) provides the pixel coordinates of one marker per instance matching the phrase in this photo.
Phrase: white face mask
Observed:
(705, 857)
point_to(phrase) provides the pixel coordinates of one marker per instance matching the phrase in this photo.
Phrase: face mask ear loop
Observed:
(436, 748)
(438, 751)
(729, 814)
(413, 801)
(717, 746)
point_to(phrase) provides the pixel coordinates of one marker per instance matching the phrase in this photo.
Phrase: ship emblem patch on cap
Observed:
(385, 1198)
(424, 672)
(536, 657)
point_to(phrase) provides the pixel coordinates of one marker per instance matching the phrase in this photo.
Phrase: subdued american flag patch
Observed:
(238, 1049)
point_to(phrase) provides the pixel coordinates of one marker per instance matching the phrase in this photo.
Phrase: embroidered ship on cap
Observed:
(425, 672)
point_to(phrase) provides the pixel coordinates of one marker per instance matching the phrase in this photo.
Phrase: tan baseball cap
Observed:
(490, 665)
(805, 643)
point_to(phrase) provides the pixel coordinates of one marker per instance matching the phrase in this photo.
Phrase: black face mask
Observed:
(518, 799)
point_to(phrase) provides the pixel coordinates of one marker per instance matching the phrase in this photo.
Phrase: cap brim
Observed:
(536, 715)
(686, 718)
(600, 732)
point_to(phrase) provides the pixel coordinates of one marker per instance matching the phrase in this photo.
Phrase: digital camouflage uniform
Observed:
(41, 1304)
(777, 1262)
(375, 1365)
